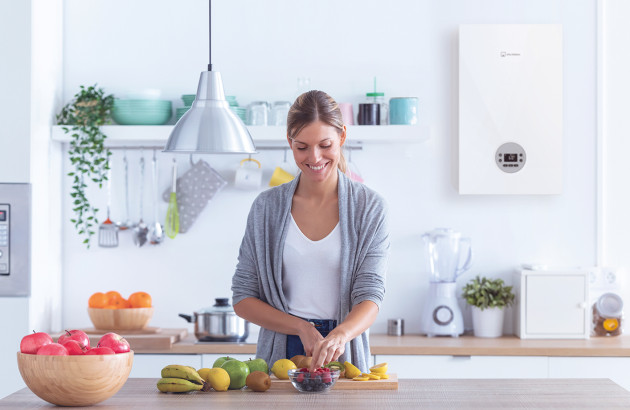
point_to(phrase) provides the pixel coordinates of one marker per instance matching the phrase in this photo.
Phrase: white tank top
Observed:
(311, 273)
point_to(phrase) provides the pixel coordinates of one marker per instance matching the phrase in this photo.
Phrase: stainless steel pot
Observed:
(219, 323)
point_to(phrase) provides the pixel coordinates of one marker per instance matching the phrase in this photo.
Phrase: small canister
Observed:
(403, 110)
(396, 327)
(607, 313)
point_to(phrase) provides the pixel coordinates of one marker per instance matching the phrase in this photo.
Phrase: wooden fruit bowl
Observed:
(75, 380)
(120, 319)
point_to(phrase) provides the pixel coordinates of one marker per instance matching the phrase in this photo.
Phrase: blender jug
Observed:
(446, 248)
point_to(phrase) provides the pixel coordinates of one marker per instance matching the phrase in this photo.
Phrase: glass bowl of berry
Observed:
(318, 381)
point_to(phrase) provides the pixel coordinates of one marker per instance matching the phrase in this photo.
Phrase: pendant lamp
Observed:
(210, 126)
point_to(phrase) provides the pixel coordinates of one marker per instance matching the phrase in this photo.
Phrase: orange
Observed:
(97, 300)
(140, 300)
(120, 304)
(113, 296)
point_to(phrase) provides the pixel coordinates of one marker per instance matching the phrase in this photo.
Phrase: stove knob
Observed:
(443, 315)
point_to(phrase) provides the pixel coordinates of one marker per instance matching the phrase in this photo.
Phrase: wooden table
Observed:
(412, 394)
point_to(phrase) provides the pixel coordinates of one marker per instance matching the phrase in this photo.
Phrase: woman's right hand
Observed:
(309, 336)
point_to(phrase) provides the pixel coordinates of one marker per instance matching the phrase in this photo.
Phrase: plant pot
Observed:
(487, 322)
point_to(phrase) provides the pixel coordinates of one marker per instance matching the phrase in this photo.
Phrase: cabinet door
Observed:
(465, 367)
(613, 368)
(150, 365)
(208, 359)
(555, 304)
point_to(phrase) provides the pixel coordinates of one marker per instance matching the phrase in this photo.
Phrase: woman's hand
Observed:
(328, 349)
(309, 336)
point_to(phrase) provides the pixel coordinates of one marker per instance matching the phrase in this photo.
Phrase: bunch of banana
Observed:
(180, 379)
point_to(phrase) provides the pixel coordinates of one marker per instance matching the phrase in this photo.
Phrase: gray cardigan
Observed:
(365, 239)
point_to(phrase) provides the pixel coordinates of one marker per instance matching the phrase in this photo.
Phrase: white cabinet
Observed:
(465, 367)
(208, 359)
(614, 368)
(150, 365)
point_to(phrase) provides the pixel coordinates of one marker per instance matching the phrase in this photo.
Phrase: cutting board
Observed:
(345, 384)
(163, 339)
(145, 331)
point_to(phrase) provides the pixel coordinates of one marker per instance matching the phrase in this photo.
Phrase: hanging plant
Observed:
(88, 155)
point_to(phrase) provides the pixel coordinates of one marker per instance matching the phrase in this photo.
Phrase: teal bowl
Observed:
(143, 104)
(141, 117)
(188, 99)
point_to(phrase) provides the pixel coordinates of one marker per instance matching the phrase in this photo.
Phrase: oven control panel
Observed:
(5, 251)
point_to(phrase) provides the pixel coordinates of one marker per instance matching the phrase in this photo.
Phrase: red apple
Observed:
(53, 349)
(78, 335)
(31, 343)
(100, 350)
(115, 342)
(74, 348)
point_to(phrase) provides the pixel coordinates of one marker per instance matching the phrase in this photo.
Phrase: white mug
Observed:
(248, 175)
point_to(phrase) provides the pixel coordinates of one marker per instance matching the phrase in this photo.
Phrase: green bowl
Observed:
(188, 98)
(141, 117)
(143, 104)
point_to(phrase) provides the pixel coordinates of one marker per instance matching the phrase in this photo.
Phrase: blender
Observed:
(445, 249)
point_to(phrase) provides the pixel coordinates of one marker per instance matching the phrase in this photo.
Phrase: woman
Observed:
(311, 268)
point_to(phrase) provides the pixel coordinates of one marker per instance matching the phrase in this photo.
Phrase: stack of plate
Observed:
(142, 112)
(241, 112)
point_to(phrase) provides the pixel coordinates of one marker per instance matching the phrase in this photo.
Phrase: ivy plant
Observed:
(88, 155)
(487, 293)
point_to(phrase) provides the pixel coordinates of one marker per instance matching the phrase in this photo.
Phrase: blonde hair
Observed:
(315, 106)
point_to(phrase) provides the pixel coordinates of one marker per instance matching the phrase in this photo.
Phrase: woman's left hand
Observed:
(328, 349)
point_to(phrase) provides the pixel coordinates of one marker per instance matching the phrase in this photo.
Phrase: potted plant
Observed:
(89, 158)
(488, 298)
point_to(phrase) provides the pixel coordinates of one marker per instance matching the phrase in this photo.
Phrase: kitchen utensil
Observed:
(403, 110)
(396, 327)
(75, 380)
(248, 175)
(195, 188)
(307, 382)
(219, 323)
(352, 170)
(258, 113)
(126, 224)
(108, 231)
(369, 114)
(279, 113)
(283, 173)
(141, 230)
(156, 232)
(445, 248)
(142, 111)
(120, 319)
(172, 214)
(347, 113)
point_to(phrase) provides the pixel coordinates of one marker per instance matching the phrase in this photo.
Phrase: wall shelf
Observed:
(118, 135)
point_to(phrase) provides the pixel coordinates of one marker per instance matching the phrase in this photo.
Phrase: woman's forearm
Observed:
(262, 314)
(360, 318)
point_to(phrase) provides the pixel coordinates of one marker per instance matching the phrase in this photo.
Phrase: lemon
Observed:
(218, 378)
(203, 373)
(361, 378)
(371, 376)
(281, 368)
(380, 368)
(384, 376)
(351, 370)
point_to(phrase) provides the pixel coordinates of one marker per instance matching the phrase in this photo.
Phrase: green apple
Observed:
(219, 362)
(238, 372)
(257, 365)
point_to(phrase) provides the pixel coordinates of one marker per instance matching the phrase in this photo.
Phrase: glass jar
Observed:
(607, 314)
(379, 98)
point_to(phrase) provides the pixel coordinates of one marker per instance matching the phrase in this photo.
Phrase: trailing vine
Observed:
(88, 155)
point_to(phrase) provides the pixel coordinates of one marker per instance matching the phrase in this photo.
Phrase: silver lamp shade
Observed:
(210, 126)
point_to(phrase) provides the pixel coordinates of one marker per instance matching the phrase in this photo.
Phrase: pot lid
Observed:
(222, 305)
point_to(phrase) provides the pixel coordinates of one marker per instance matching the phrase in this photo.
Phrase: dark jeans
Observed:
(294, 344)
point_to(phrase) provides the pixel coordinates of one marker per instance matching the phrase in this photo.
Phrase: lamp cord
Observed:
(209, 35)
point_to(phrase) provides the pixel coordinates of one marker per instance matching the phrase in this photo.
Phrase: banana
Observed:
(175, 385)
(186, 373)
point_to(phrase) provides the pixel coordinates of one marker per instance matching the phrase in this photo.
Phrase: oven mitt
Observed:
(194, 189)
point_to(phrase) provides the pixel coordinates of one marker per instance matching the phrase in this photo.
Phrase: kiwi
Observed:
(297, 360)
(258, 381)
(305, 362)
(337, 366)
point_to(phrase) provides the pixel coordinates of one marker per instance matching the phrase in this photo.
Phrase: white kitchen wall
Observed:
(261, 48)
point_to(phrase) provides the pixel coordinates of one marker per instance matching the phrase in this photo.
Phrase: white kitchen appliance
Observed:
(551, 303)
(15, 239)
(445, 250)
(510, 109)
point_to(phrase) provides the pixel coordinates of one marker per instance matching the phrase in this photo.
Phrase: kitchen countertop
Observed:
(421, 345)
(412, 393)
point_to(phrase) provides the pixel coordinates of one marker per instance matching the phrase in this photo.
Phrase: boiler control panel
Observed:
(5, 251)
(15, 239)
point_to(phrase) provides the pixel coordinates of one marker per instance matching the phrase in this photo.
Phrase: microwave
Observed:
(552, 303)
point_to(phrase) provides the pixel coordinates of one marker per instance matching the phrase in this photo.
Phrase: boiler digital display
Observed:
(3, 216)
(510, 157)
